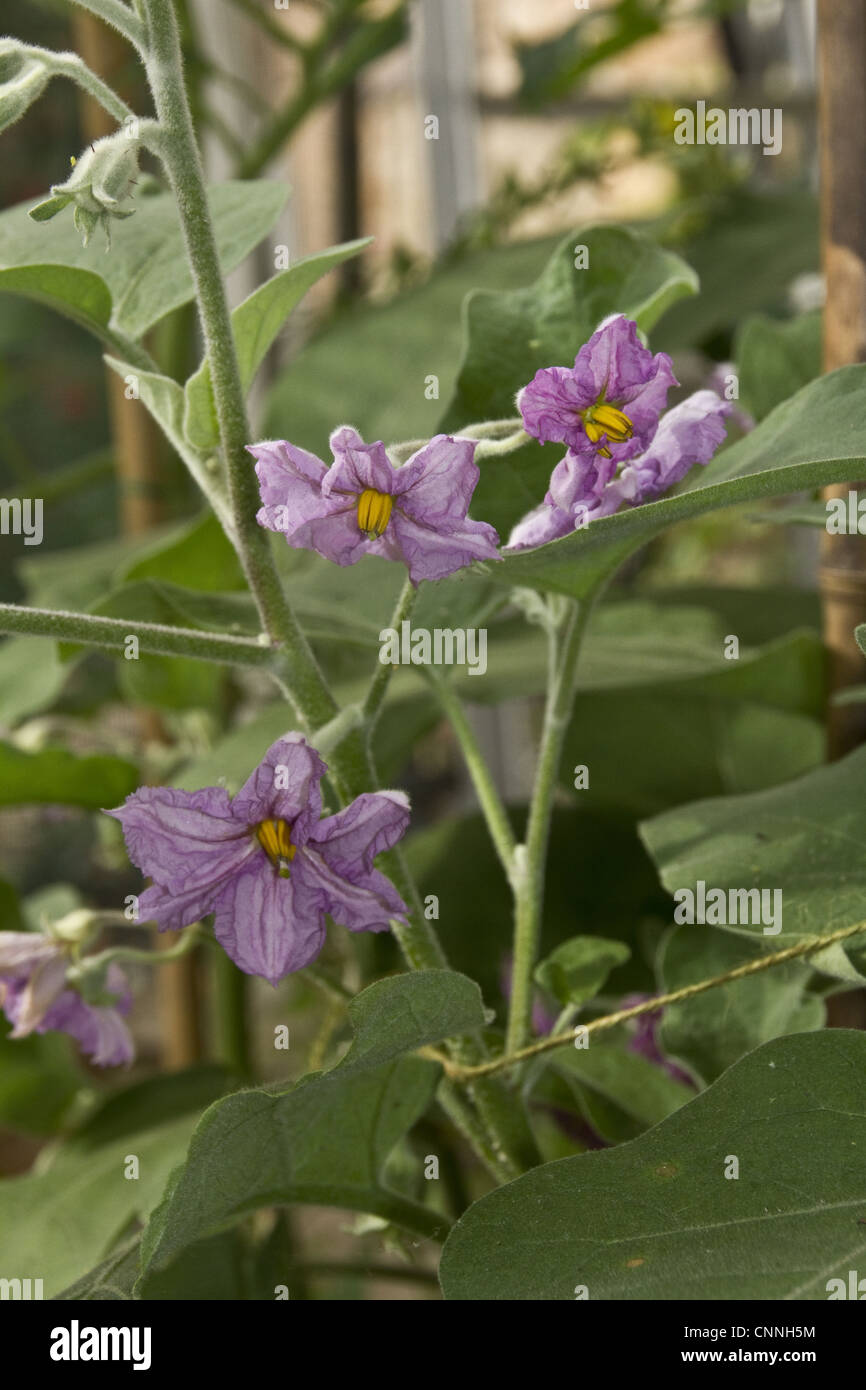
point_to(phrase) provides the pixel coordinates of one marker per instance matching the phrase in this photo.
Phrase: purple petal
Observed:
(365, 902)
(689, 433)
(284, 786)
(350, 840)
(22, 951)
(357, 466)
(272, 926)
(433, 554)
(335, 533)
(436, 484)
(37, 994)
(184, 841)
(544, 524)
(290, 484)
(551, 404)
(173, 911)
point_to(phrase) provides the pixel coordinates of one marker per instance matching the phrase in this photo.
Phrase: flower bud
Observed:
(100, 181)
(77, 926)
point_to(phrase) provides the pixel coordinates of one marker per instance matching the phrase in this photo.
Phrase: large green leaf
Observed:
(802, 838)
(145, 275)
(60, 778)
(816, 437)
(256, 324)
(327, 1139)
(658, 1219)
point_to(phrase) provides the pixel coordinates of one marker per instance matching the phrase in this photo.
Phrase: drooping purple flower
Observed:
(583, 489)
(265, 862)
(363, 505)
(36, 998)
(608, 403)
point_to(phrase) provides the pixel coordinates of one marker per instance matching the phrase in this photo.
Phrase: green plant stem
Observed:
(489, 799)
(565, 642)
(116, 14)
(178, 149)
(71, 66)
(379, 685)
(154, 639)
(231, 1016)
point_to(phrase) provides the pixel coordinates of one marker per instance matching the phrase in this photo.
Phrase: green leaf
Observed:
(197, 555)
(577, 969)
(775, 359)
(658, 1219)
(31, 678)
(620, 1092)
(256, 324)
(405, 1012)
(59, 778)
(751, 248)
(715, 1029)
(816, 437)
(145, 275)
(511, 334)
(58, 1223)
(326, 1140)
(161, 396)
(798, 838)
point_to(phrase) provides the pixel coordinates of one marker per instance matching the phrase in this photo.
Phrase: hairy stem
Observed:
(379, 685)
(802, 949)
(565, 643)
(154, 639)
(489, 799)
(179, 152)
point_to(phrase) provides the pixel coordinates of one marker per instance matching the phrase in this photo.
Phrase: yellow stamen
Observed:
(374, 512)
(274, 838)
(606, 420)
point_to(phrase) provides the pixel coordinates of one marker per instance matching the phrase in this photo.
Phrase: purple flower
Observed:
(36, 998)
(363, 505)
(608, 403)
(584, 488)
(264, 862)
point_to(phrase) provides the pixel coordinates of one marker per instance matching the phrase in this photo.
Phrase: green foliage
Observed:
(256, 324)
(715, 1029)
(775, 359)
(624, 1223)
(796, 837)
(326, 1140)
(56, 777)
(577, 969)
(147, 273)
